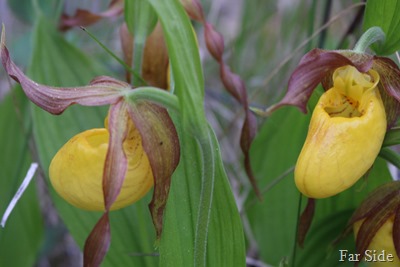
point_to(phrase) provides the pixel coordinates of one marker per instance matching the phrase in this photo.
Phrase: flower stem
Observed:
(155, 95)
(372, 35)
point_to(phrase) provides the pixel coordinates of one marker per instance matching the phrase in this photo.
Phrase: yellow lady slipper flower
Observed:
(345, 134)
(76, 171)
(350, 120)
(381, 251)
(109, 168)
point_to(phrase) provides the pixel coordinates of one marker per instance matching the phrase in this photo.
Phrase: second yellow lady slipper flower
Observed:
(376, 227)
(345, 134)
(381, 251)
(349, 122)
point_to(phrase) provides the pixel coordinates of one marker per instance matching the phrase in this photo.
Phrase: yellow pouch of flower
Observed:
(345, 135)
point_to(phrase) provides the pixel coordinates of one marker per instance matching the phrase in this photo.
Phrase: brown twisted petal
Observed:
(101, 91)
(84, 17)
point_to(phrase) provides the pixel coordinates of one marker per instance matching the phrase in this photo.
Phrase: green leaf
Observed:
(140, 18)
(384, 14)
(29, 10)
(392, 137)
(23, 232)
(390, 156)
(196, 229)
(57, 62)
(275, 150)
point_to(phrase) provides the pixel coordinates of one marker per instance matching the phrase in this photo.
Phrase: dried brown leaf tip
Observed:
(108, 168)
(155, 62)
(305, 221)
(376, 224)
(84, 17)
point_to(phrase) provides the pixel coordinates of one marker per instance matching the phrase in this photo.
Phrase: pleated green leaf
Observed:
(23, 232)
(140, 18)
(202, 226)
(384, 14)
(56, 62)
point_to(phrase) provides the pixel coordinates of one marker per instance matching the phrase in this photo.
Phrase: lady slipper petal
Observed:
(345, 135)
(76, 171)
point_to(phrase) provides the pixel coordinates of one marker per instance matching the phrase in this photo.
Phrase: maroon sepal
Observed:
(85, 18)
(101, 91)
(305, 221)
(315, 67)
(116, 162)
(115, 166)
(98, 242)
(161, 144)
(194, 9)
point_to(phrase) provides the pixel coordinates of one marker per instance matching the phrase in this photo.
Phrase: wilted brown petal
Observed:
(116, 161)
(155, 59)
(98, 242)
(194, 9)
(161, 144)
(127, 47)
(305, 221)
(85, 18)
(103, 90)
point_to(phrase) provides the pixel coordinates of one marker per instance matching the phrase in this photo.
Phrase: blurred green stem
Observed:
(372, 35)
